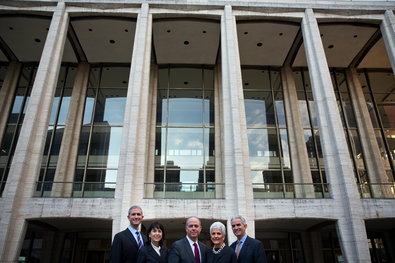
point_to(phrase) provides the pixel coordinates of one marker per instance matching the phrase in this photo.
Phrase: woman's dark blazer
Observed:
(147, 254)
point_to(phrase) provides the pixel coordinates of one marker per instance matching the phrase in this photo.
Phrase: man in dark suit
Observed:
(248, 249)
(127, 243)
(189, 249)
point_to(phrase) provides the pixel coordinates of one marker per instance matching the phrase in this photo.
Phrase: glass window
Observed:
(100, 140)
(378, 88)
(268, 144)
(14, 121)
(185, 133)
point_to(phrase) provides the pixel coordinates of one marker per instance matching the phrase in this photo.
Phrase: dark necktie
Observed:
(197, 256)
(139, 243)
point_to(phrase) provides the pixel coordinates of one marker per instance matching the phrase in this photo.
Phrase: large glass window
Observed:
(350, 128)
(184, 146)
(267, 134)
(15, 120)
(310, 127)
(379, 91)
(101, 133)
(57, 124)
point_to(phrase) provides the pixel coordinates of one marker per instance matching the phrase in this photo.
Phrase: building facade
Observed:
(280, 111)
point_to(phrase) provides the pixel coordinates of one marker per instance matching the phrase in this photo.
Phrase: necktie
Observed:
(238, 248)
(139, 239)
(197, 256)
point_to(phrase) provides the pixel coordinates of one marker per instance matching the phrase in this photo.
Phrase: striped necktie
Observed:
(140, 244)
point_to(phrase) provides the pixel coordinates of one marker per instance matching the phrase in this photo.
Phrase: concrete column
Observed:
(29, 150)
(300, 159)
(338, 166)
(135, 136)
(388, 31)
(371, 151)
(236, 160)
(7, 92)
(70, 142)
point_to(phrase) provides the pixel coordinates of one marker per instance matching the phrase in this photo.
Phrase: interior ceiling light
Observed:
(186, 43)
(245, 33)
(186, 82)
(90, 29)
(37, 40)
(204, 31)
(126, 30)
(259, 44)
(168, 31)
(281, 34)
(11, 28)
(112, 41)
(355, 36)
(331, 46)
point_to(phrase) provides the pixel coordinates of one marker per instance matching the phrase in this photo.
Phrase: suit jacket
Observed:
(147, 254)
(251, 252)
(181, 252)
(124, 247)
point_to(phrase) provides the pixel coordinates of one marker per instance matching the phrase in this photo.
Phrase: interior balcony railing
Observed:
(184, 190)
(290, 190)
(75, 189)
(377, 190)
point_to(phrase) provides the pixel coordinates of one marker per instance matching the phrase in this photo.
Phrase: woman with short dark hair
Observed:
(153, 251)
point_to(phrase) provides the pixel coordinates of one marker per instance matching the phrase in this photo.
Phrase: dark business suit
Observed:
(251, 252)
(124, 247)
(181, 252)
(147, 254)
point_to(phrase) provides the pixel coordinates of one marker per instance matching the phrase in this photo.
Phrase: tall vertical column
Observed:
(133, 154)
(300, 159)
(6, 93)
(236, 163)
(29, 150)
(69, 148)
(371, 151)
(338, 166)
(388, 31)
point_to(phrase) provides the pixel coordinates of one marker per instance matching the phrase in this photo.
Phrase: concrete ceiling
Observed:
(265, 43)
(188, 41)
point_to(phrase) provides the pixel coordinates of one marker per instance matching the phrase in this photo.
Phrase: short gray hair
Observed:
(135, 207)
(243, 220)
(218, 225)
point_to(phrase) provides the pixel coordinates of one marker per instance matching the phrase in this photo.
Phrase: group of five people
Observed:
(132, 246)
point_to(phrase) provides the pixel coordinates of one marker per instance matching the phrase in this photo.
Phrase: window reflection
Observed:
(268, 144)
(185, 134)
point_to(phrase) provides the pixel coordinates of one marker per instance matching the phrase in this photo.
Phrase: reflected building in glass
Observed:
(281, 112)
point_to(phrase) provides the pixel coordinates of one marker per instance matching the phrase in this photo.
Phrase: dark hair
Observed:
(159, 226)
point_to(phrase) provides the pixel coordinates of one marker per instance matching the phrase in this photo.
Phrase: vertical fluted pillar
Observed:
(338, 166)
(388, 31)
(133, 161)
(236, 163)
(29, 150)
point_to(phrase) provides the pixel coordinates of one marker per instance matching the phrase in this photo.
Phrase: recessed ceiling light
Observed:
(126, 30)
(124, 82)
(186, 43)
(11, 28)
(355, 36)
(204, 31)
(186, 82)
(281, 34)
(90, 29)
(259, 44)
(246, 83)
(322, 35)
(37, 40)
(112, 41)
(331, 46)
(245, 33)
(168, 31)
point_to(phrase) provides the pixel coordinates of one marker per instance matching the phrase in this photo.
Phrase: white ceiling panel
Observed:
(265, 43)
(106, 40)
(377, 57)
(341, 43)
(186, 41)
(25, 36)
